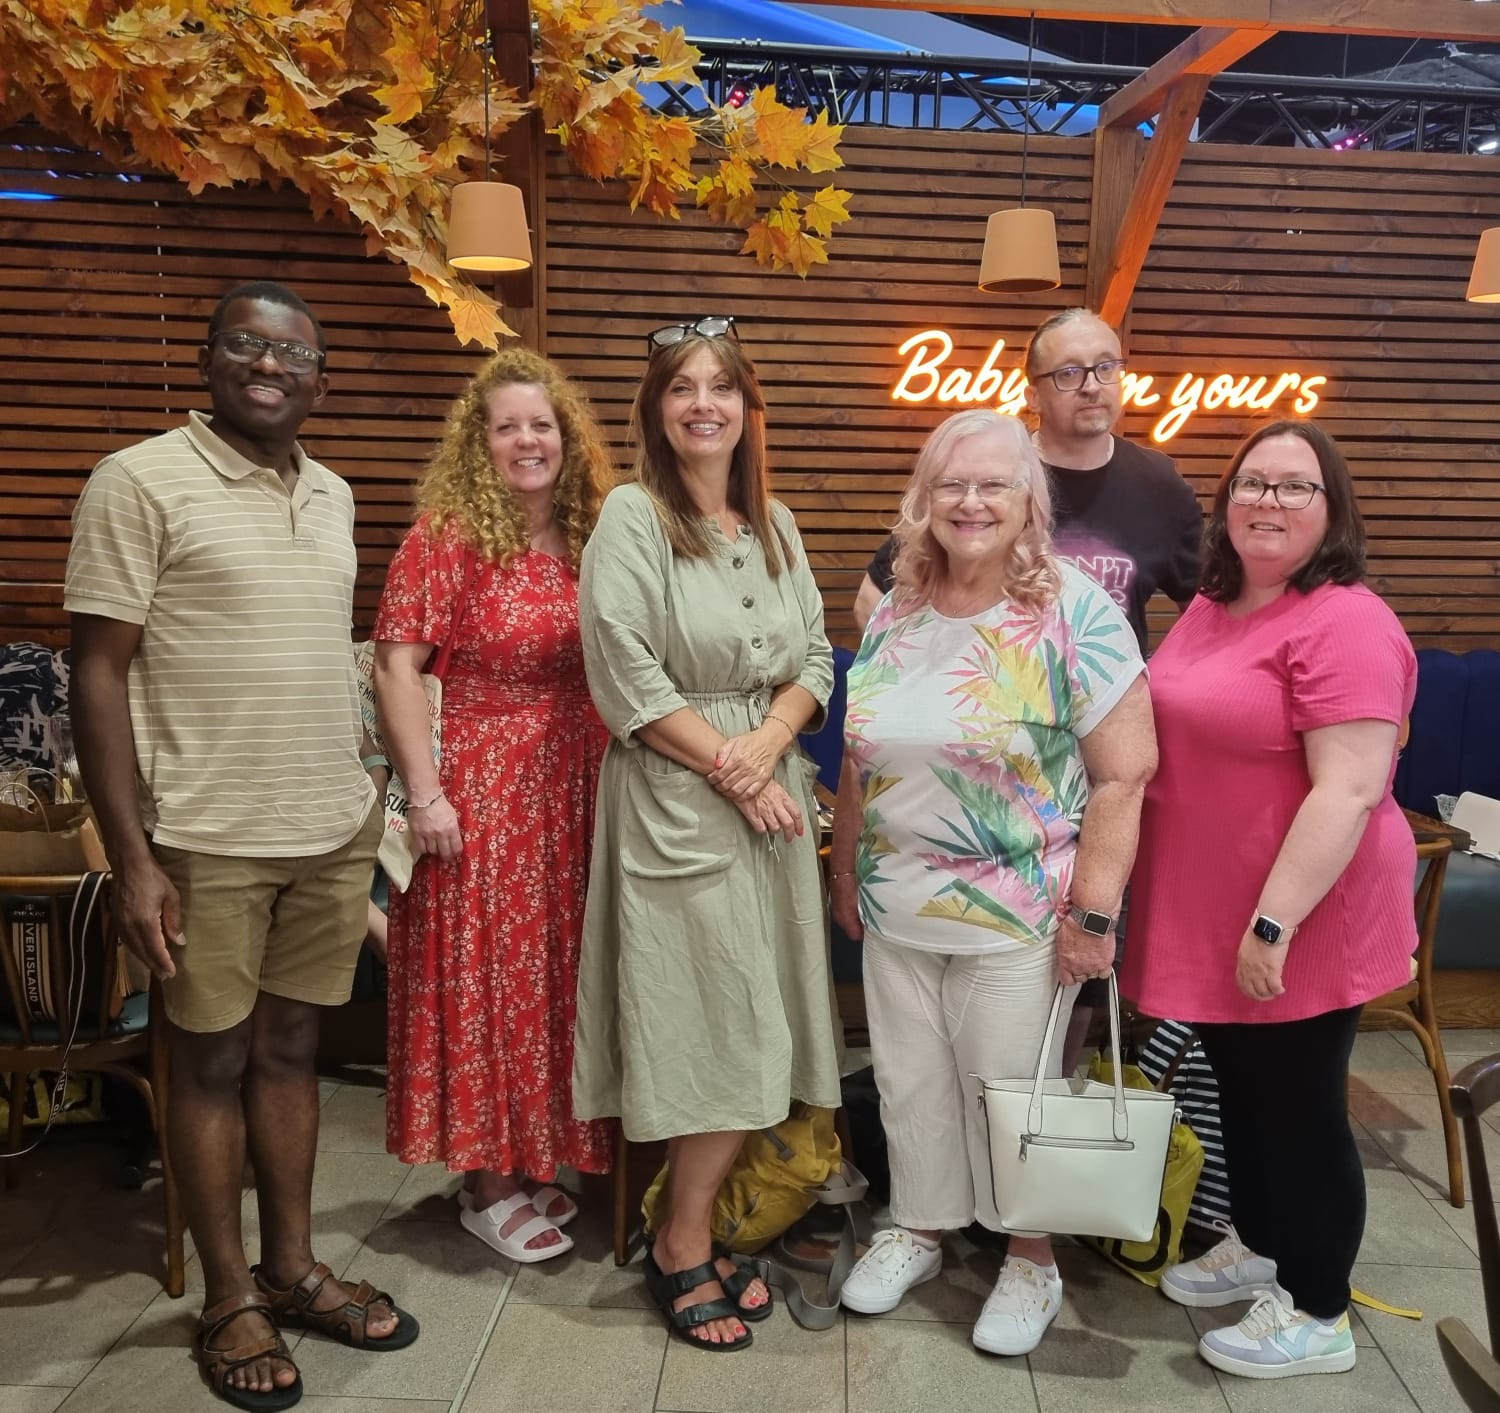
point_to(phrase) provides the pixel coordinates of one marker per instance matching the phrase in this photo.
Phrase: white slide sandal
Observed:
(486, 1226)
(541, 1199)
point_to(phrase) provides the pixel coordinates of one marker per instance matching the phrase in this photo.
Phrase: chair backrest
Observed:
(1473, 1090)
(50, 900)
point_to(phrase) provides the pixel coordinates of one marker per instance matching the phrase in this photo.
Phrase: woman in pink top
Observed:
(1272, 892)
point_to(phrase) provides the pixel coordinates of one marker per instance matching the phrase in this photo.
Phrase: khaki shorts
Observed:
(290, 927)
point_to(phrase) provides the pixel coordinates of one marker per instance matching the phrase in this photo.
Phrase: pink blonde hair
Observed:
(1032, 577)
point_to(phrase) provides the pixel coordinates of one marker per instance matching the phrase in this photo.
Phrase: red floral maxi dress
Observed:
(484, 948)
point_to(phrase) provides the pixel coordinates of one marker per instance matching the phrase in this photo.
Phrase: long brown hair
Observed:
(656, 467)
(1339, 559)
(461, 484)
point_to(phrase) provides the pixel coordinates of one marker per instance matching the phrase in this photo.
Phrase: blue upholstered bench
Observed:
(1455, 746)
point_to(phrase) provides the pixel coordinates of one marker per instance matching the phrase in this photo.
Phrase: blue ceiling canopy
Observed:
(859, 29)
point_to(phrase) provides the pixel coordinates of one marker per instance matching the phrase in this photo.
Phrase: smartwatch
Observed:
(1095, 924)
(1270, 931)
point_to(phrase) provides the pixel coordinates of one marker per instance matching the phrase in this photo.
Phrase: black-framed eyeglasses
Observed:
(1289, 495)
(711, 326)
(240, 347)
(1069, 379)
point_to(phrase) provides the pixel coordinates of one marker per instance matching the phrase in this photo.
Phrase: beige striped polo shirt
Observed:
(242, 691)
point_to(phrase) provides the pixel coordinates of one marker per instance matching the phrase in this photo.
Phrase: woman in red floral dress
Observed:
(483, 947)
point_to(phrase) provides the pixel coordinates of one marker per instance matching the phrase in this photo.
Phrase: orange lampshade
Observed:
(487, 227)
(1484, 283)
(1020, 252)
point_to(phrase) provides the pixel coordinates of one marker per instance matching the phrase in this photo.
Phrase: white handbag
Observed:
(1075, 1155)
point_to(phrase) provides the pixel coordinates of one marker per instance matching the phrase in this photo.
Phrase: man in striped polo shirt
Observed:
(210, 583)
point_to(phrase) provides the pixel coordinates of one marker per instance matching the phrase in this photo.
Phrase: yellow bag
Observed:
(773, 1182)
(1146, 1260)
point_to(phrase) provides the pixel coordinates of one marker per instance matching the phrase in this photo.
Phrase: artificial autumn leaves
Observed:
(595, 58)
(374, 108)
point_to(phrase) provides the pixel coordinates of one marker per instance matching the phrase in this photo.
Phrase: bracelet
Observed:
(847, 873)
(375, 762)
(425, 804)
(783, 722)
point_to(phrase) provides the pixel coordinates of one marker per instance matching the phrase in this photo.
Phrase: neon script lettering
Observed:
(927, 378)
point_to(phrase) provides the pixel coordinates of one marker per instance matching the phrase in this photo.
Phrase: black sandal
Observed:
(666, 1288)
(736, 1285)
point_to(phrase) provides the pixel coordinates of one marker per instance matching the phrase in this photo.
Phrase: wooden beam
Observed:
(1149, 195)
(1402, 19)
(1206, 51)
(520, 153)
(1118, 154)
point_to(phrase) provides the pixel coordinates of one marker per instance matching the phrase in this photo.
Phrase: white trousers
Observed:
(935, 1018)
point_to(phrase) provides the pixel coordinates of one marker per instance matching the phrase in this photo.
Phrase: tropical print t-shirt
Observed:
(965, 733)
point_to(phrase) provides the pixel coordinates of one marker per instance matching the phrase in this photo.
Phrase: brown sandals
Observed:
(348, 1323)
(216, 1365)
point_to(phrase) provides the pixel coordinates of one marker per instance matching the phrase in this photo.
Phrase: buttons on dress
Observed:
(739, 562)
(748, 601)
(757, 642)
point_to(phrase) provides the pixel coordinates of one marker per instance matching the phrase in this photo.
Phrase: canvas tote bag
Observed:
(394, 854)
(1075, 1155)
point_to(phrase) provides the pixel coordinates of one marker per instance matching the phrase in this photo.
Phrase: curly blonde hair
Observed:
(1032, 577)
(461, 486)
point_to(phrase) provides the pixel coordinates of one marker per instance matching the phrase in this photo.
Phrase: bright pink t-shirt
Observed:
(1232, 697)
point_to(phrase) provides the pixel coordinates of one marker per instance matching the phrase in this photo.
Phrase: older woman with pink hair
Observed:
(999, 740)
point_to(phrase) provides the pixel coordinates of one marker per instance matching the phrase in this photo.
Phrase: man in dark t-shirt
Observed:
(1121, 512)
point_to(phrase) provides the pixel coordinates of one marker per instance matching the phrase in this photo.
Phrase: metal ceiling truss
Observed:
(920, 91)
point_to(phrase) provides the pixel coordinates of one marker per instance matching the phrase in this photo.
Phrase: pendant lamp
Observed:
(1484, 283)
(487, 220)
(1020, 244)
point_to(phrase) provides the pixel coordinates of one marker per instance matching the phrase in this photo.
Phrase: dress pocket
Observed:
(674, 826)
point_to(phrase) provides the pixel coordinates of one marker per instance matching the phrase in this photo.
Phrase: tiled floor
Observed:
(84, 1325)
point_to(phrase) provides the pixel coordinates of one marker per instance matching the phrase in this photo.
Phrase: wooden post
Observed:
(522, 294)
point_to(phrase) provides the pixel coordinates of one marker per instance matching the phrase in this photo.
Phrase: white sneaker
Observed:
(1227, 1273)
(1274, 1341)
(895, 1262)
(1024, 1302)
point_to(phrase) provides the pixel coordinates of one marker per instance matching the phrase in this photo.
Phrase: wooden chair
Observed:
(121, 1047)
(1414, 1005)
(1472, 1367)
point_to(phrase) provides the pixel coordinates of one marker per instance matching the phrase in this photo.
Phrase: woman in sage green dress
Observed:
(704, 1000)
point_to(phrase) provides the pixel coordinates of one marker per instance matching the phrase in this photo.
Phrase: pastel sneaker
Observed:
(1228, 1273)
(1275, 1341)
(895, 1262)
(1024, 1302)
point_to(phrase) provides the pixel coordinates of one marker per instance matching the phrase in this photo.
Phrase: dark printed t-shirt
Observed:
(1132, 525)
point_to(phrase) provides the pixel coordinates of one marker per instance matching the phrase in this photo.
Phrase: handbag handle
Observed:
(1034, 1111)
(444, 654)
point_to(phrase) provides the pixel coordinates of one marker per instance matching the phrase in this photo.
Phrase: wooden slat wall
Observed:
(1354, 264)
(1348, 264)
(108, 290)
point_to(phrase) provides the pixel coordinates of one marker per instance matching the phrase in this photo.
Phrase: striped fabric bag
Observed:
(1197, 1092)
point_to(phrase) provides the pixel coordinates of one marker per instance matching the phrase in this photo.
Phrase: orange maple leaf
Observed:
(827, 209)
(820, 150)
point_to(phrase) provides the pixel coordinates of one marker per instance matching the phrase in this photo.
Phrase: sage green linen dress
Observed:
(705, 1001)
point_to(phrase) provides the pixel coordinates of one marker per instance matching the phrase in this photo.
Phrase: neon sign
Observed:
(925, 378)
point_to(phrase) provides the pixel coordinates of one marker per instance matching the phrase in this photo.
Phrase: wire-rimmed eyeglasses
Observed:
(711, 326)
(1289, 495)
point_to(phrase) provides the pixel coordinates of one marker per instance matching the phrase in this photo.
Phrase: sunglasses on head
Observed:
(713, 326)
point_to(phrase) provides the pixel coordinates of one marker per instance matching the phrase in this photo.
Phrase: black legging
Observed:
(1296, 1187)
